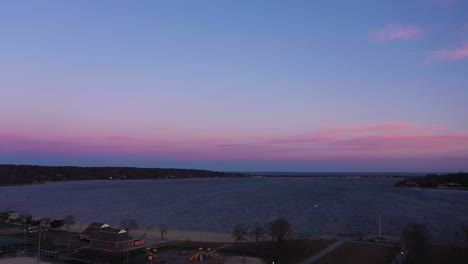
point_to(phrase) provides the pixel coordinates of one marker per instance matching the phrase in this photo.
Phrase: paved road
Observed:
(323, 252)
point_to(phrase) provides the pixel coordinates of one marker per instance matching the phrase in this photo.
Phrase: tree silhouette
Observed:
(258, 232)
(163, 231)
(239, 233)
(279, 229)
(128, 224)
(416, 241)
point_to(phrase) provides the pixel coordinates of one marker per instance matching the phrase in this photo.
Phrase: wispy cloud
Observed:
(448, 54)
(338, 131)
(348, 128)
(319, 137)
(335, 141)
(403, 142)
(393, 32)
(395, 139)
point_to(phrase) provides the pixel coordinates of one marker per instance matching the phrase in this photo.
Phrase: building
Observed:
(103, 237)
(85, 235)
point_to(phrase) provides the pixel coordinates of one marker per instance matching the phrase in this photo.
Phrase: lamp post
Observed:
(24, 229)
(39, 244)
(380, 233)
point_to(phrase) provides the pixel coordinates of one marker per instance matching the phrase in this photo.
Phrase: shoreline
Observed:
(331, 176)
(433, 188)
(153, 234)
(107, 180)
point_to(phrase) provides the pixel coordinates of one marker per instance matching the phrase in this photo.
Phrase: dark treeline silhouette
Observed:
(454, 180)
(26, 174)
(279, 230)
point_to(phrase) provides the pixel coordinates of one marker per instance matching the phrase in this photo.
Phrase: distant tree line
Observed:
(29, 223)
(27, 220)
(453, 180)
(27, 174)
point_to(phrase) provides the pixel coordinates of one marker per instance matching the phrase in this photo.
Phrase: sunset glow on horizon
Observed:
(235, 85)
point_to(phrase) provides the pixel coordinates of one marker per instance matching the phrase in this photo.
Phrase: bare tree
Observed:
(69, 221)
(147, 229)
(462, 236)
(56, 223)
(416, 241)
(239, 233)
(128, 224)
(25, 218)
(279, 229)
(258, 232)
(4, 216)
(163, 231)
(45, 223)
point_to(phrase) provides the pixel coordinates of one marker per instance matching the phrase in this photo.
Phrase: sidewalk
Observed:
(323, 252)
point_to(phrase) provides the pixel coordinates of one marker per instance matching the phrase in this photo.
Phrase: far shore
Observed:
(107, 180)
(224, 177)
(344, 176)
(434, 188)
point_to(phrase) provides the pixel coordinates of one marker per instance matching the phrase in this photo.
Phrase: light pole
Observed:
(128, 235)
(24, 229)
(39, 244)
(380, 233)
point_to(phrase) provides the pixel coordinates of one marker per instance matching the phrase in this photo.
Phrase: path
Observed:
(221, 247)
(323, 252)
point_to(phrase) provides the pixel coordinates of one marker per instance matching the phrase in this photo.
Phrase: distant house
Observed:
(85, 235)
(112, 239)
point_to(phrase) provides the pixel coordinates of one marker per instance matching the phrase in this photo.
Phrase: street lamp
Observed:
(41, 223)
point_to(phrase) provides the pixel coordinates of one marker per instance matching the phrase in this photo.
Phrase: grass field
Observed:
(290, 252)
(350, 253)
(444, 254)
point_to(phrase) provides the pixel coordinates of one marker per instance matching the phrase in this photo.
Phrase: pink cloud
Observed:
(12, 142)
(209, 140)
(305, 139)
(121, 138)
(337, 141)
(337, 131)
(397, 139)
(404, 142)
(447, 54)
(392, 32)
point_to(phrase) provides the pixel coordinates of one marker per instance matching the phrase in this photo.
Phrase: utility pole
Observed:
(380, 232)
(39, 245)
(24, 229)
(128, 235)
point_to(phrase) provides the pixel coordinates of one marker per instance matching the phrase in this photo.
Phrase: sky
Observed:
(239, 85)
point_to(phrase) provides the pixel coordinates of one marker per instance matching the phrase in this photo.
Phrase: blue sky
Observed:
(310, 85)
